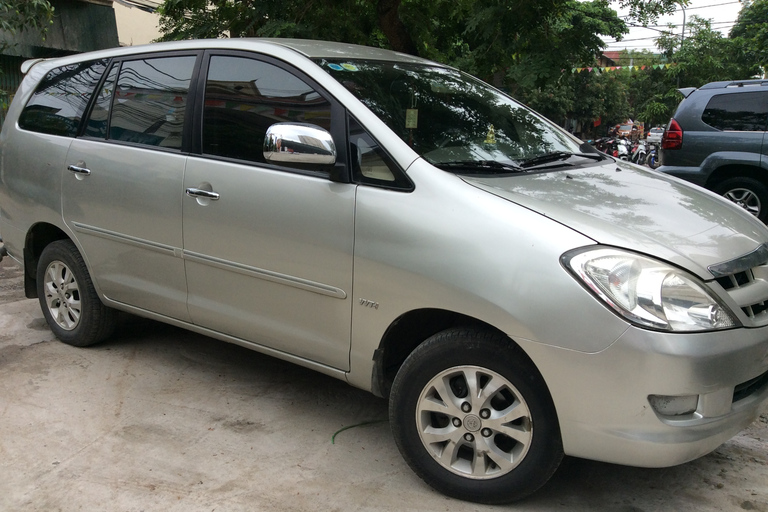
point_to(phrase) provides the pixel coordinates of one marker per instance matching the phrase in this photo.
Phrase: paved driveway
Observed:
(160, 419)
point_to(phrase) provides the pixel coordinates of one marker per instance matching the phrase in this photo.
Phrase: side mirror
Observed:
(298, 143)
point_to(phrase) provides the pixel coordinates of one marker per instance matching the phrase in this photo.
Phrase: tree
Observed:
(520, 45)
(189, 19)
(706, 56)
(16, 16)
(751, 32)
(483, 37)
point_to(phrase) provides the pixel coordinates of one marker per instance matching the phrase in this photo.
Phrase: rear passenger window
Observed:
(743, 112)
(150, 101)
(244, 97)
(58, 104)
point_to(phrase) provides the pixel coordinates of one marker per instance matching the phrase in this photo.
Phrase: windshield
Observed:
(448, 117)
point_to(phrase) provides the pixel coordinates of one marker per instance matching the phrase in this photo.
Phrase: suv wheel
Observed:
(68, 299)
(473, 418)
(748, 193)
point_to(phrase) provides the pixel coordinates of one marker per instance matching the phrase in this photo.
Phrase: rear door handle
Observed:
(79, 170)
(196, 192)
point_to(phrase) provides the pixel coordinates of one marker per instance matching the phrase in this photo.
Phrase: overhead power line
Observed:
(144, 5)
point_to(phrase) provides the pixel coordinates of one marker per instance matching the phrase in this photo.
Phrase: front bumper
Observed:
(603, 404)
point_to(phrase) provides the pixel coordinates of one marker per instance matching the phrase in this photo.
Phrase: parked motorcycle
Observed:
(652, 159)
(639, 153)
(622, 149)
(604, 144)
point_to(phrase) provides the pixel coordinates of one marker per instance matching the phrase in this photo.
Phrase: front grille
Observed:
(745, 279)
(757, 305)
(745, 389)
(735, 280)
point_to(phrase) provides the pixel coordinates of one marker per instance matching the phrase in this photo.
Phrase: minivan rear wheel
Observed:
(749, 193)
(68, 299)
(473, 417)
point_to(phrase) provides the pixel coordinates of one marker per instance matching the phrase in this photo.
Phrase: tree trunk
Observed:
(392, 26)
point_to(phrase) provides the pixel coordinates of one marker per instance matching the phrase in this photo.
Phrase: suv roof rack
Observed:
(734, 83)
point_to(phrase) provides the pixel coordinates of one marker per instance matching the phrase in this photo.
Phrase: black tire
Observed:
(68, 299)
(652, 160)
(524, 464)
(749, 193)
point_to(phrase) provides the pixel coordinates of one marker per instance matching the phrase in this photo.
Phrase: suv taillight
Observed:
(673, 136)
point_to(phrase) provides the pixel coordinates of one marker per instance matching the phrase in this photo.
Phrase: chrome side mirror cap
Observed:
(299, 143)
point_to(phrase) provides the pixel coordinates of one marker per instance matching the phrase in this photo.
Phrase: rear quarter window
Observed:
(742, 112)
(58, 103)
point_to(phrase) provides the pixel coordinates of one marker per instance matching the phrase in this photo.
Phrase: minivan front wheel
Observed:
(473, 418)
(68, 299)
(748, 193)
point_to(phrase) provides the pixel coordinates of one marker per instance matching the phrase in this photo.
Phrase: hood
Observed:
(623, 205)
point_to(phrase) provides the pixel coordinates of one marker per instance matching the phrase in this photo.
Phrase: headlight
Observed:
(647, 292)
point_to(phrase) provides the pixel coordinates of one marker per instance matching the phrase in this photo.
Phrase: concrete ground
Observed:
(160, 419)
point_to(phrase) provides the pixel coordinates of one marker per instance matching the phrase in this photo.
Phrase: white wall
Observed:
(135, 26)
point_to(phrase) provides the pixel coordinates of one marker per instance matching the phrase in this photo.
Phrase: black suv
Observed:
(717, 139)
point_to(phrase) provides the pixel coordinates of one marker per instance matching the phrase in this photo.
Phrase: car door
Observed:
(269, 252)
(123, 187)
(763, 106)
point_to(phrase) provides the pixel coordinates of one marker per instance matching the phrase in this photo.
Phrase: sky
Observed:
(723, 14)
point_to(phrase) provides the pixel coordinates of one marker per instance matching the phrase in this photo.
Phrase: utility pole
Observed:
(682, 40)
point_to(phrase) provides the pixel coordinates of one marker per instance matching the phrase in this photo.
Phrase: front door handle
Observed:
(205, 194)
(79, 170)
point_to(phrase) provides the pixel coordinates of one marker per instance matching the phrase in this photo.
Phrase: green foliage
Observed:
(486, 38)
(751, 32)
(555, 100)
(650, 10)
(601, 96)
(339, 20)
(566, 37)
(707, 56)
(17, 16)
(521, 45)
(27, 14)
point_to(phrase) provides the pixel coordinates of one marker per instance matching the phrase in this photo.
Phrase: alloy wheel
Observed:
(474, 422)
(62, 295)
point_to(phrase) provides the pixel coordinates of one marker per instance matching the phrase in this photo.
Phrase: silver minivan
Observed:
(400, 225)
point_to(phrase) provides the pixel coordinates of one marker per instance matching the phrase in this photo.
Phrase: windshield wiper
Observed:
(554, 157)
(479, 166)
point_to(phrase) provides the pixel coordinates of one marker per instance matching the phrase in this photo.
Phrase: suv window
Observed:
(58, 104)
(743, 112)
(244, 97)
(150, 101)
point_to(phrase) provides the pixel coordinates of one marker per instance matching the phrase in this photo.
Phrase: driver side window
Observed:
(245, 96)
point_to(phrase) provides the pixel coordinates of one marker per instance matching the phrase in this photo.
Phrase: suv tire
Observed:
(68, 299)
(749, 193)
(473, 417)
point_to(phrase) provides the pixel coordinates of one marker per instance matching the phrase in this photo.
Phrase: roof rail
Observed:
(735, 83)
